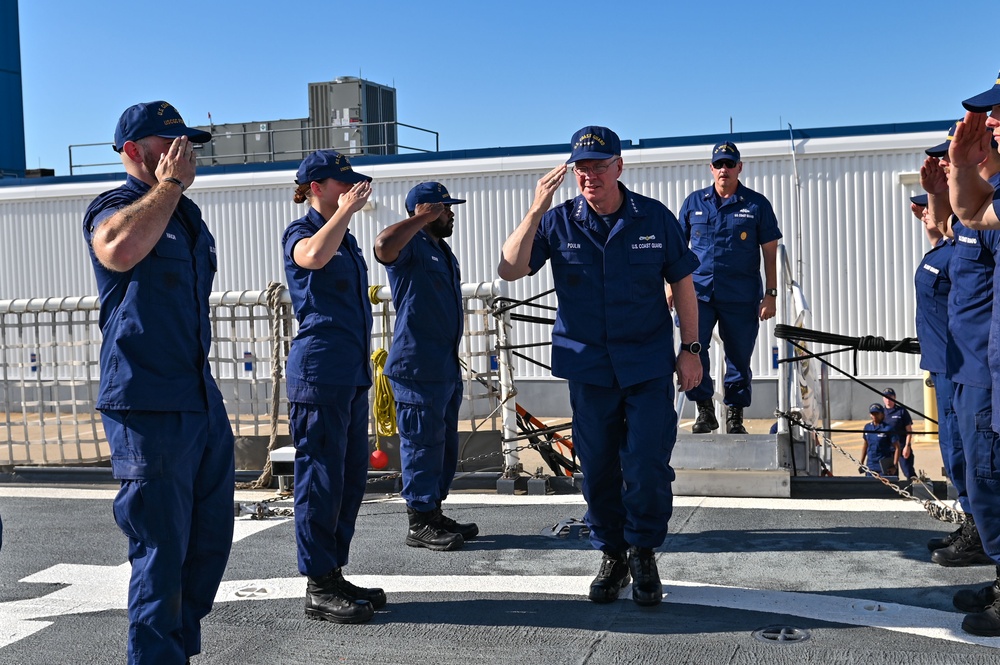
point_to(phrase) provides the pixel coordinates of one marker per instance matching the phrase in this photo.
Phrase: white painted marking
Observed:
(493, 499)
(799, 505)
(905, 619)
(89, 589)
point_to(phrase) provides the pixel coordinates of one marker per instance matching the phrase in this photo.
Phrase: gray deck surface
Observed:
(854, 575)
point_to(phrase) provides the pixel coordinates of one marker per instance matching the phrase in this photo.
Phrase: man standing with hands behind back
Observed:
(611, 251)
(171, 441)
(729, 226)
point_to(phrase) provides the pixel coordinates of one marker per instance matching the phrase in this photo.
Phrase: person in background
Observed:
(328, 376)
(172, 447)
(880, 451)
(423, 366)
(902, 422)
(729, 227)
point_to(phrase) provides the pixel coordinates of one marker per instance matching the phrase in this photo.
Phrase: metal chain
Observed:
(934, 507)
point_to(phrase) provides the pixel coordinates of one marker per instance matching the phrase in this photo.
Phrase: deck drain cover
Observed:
(570, 529)
(782, 634)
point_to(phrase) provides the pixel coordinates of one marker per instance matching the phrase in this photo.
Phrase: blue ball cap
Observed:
(725, 150)
(324, 164)
(594, 142)
(429, 192)
(876, 408)
(984, 101)
(919, 199)
(941, 149)
(154, 119)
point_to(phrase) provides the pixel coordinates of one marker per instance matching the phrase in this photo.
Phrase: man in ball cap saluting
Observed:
(611, 250)
(171, 442)
(423, 365)
(729, 226)
(974, 200)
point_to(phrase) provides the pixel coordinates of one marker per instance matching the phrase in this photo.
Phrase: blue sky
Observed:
(512, 73)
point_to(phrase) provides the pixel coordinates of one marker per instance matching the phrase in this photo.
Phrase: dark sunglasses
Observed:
(724, 164)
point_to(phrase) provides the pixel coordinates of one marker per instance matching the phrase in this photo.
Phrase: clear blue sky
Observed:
(488, 74)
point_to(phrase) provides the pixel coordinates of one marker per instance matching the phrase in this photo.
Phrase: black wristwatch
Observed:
(694, 347)
(771, 292)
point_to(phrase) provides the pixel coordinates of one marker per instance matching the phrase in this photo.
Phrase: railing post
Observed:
(507, 391)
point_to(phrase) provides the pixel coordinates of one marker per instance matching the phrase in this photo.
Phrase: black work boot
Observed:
(985, 623)
(966, 550)
(425, 531)
(611, 578)
(468, 530)
(646, 586)
(706, 420)
(326, 601)
(375, 596)
(734, 421)
(972, 601)
(941, 543)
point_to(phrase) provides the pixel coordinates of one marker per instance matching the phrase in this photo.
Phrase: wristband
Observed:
(176, 182)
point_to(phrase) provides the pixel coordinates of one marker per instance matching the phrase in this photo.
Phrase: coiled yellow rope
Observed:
(384, 403)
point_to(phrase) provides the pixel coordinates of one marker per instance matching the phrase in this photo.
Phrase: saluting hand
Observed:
(432, 209)
(547, 186)
(971, 144)
(178, 162)
(355, 198)
(933, 178)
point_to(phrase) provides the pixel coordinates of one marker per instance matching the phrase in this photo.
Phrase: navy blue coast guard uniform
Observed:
(163, 414)
(932, 283)
(726, 237)
(899, 419)
(970, 305)
(423, 366)
(328, 376)
(613, 341)
(881, 441)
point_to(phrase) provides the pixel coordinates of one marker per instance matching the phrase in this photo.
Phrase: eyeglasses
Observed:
(724, 164)
(597, 169)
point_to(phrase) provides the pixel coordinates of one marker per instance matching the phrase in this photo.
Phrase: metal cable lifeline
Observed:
(934, 506)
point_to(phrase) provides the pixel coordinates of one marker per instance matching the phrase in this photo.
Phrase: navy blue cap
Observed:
(941, 149)
(984, 101)
(876, 408)
(919, 199)
(324, 164)
(594, 143)
(889, 392)
(154, 119)
(429, 192)
(725, 150)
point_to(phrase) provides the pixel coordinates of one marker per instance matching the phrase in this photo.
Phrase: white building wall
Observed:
(859, 242)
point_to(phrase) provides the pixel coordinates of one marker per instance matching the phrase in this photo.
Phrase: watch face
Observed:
(694, 347)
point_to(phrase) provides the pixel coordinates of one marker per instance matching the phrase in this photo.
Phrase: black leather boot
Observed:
(706, 420)
(611, 578)
(734, 421)
(375, 596)
(646, 587)
(966, 550)
(326, 601)
(425, 531)
(972, 601)
(941, 543)
(468, 530)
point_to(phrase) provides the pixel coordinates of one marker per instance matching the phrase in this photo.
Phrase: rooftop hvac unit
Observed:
(353, 116)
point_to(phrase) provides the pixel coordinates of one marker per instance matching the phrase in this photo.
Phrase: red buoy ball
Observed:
(379, 460)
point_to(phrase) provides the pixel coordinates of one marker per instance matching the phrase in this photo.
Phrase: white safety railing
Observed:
(50, 369)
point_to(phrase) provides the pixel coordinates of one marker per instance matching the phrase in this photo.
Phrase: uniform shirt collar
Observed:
(737, 195)
(632, 207)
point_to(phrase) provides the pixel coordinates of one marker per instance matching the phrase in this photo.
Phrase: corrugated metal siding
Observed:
(860, 244)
